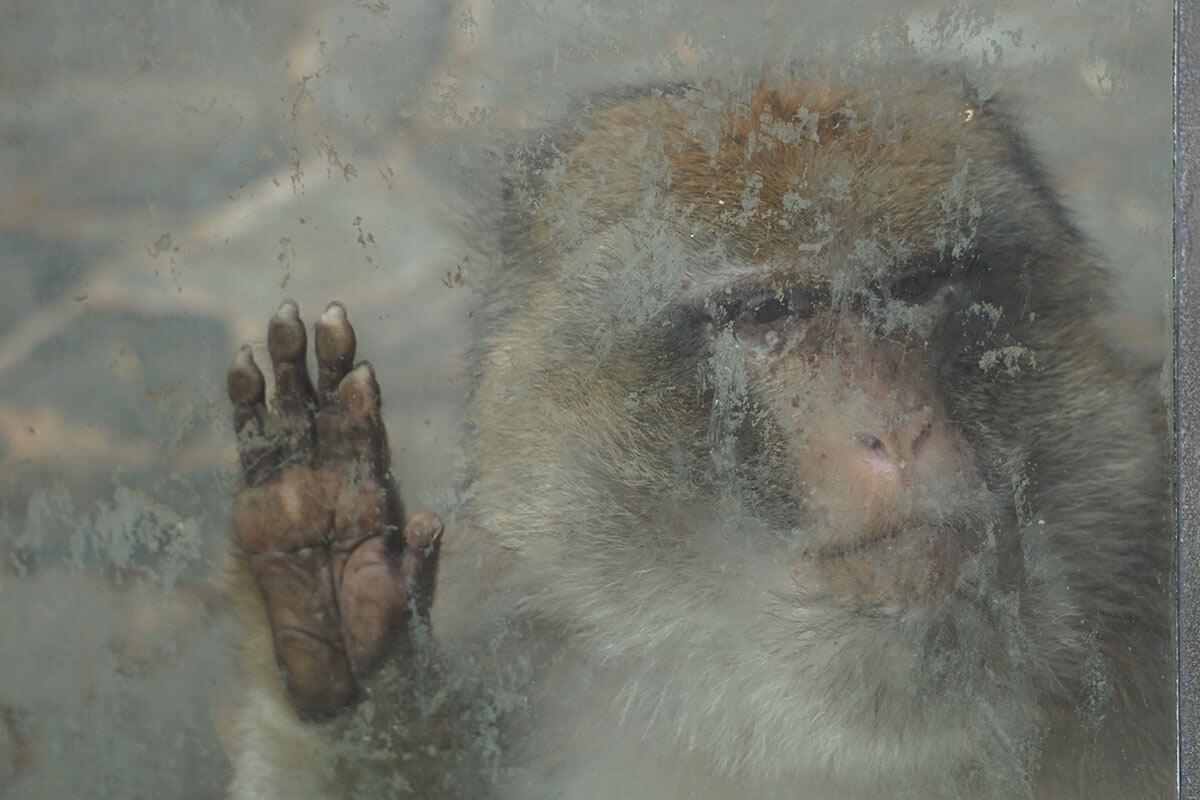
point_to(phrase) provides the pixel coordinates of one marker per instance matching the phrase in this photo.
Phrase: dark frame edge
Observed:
(1187, 386)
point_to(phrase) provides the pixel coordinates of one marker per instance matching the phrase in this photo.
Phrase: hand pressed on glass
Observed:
(320, 517)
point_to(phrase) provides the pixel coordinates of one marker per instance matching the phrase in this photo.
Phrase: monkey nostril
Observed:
(874, 451)
(870, 442)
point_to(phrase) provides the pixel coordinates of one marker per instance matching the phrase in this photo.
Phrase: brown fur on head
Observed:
(782, 167)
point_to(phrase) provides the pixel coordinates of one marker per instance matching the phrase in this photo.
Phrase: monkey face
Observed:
(821, 436)
(814, 267)
(882, 489)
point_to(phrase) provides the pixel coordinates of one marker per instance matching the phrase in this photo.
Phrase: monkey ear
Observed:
(978, 101)
(992, 105)
(998, 93)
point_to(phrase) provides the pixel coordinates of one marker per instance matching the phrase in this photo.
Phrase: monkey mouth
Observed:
(841, 551)
(908, 566)
(832, 542)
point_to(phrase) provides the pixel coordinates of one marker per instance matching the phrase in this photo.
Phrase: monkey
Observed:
(800, 467)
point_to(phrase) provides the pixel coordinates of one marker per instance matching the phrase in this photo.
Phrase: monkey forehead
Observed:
(787, 169)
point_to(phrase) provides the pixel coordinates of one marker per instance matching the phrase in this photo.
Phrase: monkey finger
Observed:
(294, 396)
(244, 381)
(247, 390)
(364, 436)
(419, 562)
(335, 343)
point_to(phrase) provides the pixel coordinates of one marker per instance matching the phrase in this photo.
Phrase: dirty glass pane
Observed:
(791, 380)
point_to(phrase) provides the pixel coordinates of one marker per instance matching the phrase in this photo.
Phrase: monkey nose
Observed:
(895, 451)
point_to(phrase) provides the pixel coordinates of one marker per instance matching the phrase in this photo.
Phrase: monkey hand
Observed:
(344, 579)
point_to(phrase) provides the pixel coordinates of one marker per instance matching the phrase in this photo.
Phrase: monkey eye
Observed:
(769, 310)
(921, 286)
(768, 307)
